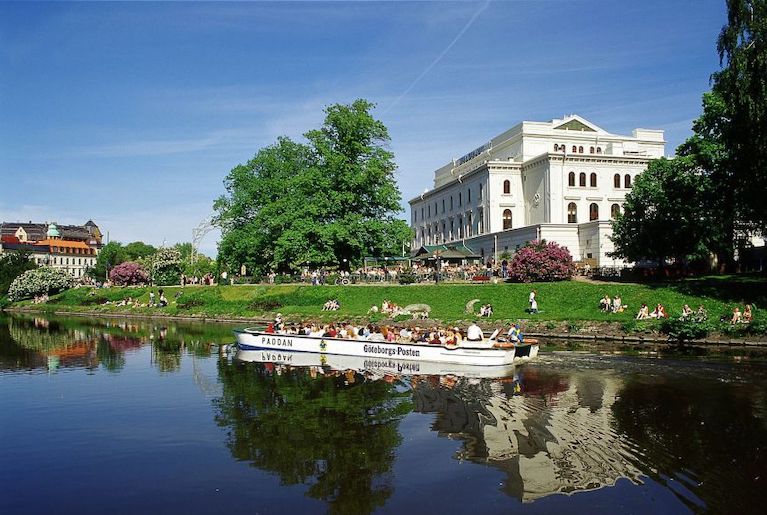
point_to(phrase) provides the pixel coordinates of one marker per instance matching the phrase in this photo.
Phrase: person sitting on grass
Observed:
(686, 312)
(644, 312)
(737, 316)
(605, 303)
(659, 312)
(618, 306)
(701, 315)
(486, 311)
(748, 315)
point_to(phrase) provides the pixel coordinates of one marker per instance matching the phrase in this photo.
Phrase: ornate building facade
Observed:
(73, 248)
(562, 181)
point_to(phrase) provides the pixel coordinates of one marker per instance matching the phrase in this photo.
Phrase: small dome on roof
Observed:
(53, 231)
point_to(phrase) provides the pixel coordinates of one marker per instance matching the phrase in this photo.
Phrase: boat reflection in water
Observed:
(548, 433)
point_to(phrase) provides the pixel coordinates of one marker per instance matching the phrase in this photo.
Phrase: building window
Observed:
(582, 179)
(452, 229)
(506, 219)
(429, 210)
(575, 149)
(617, 180)
(572, 213)
(615, 210)
(593, 212)
(443, 206)
(460, 227)
(627, 181)
(451, 202)
(469, 223)
(468, 196)
(421, 213)
(415, 215)
(593, 180)
(580, 150)
(480, 193)
(599, 150)
(506, 187)
(571, 179)
(556, 147)
(591, 150)
(459, 199)
(481, 221)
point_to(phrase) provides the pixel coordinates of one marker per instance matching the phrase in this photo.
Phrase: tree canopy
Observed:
(714, 191)
(327, 202)
(664, 216)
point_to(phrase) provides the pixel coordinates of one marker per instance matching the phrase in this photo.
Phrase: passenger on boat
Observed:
(474, 333)
(279, 325)
(376, 335)
(458, 336)
(515, 335)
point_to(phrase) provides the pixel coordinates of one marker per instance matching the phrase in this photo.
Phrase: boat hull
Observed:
(380, 366)
(249, 339)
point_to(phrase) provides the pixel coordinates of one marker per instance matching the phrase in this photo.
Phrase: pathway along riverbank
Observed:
(577, 338)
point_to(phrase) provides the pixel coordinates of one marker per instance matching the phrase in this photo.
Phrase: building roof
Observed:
(38, 231)
(64, 243)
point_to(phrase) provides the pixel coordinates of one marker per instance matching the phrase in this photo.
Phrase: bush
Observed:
(128, 274)
(407, 278)
(684, 329)
(41, 281)
(541, 261)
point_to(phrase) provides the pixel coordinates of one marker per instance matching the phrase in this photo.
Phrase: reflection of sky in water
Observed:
(136, 408)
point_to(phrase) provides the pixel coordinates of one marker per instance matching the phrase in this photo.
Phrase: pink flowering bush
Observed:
(541, 261)
(128, 273)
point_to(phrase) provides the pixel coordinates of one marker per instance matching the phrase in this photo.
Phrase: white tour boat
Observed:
(488, 352)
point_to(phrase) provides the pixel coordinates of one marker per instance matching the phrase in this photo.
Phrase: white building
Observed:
(561, 181)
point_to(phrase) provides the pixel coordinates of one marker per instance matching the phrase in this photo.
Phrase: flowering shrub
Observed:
(541, 261)
(128, 273)
(40, 281)
(166, 267)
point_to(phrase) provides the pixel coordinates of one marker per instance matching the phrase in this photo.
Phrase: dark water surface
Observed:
(116, 416)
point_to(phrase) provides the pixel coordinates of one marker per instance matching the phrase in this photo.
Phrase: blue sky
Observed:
(132, 114)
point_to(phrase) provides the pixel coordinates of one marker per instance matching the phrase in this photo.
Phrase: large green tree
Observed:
(328, 202)
(742, 86)
(664, 214)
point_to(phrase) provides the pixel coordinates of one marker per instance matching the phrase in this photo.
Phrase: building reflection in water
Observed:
(549, 433)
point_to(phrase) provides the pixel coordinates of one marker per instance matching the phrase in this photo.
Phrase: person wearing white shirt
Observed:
(474, 333)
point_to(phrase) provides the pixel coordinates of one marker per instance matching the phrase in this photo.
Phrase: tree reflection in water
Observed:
(700, 436)
(335, 431)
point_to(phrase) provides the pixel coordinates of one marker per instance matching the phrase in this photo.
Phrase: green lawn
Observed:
(569, 303)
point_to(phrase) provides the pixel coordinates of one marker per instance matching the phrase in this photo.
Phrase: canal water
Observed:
(146, 416)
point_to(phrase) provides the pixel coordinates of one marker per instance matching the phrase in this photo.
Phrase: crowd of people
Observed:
(405, 334)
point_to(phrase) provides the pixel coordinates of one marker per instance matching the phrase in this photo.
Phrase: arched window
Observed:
(572, 213)
(627, 181)
(556, 147)
(582, 179)
(506, 187)
(615, 210)
(591, 150)
(593, 212)
(506, 219)
(580, 150)
(469, 223)
(575, 149)
(460, 227)
(593, 180)
(617, 180)
(571, 179)
(599, 150)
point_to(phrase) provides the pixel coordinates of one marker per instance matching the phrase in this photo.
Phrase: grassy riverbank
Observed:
(570, 306)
